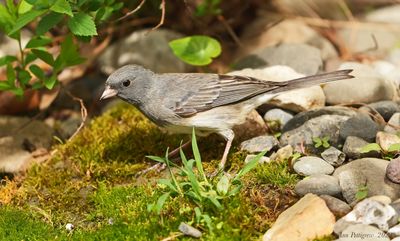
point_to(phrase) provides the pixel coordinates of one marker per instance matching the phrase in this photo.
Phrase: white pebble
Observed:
(69, 226)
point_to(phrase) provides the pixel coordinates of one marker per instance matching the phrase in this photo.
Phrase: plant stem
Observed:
(21, 52)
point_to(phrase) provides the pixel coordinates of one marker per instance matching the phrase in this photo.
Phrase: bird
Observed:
(208, 102)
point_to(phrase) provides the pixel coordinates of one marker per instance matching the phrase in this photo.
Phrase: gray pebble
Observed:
(318, 184)
(393, 170)
(333, 156)
(311, 165)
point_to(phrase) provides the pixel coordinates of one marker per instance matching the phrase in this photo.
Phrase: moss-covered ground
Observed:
(91, 182)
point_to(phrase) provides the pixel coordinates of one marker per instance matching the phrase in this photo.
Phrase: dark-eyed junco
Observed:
(212, 103)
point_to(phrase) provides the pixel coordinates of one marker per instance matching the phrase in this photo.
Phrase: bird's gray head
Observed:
(127, 82)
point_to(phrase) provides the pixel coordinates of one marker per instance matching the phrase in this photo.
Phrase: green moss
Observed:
(276, 173)
(91, 182)
(18, 225)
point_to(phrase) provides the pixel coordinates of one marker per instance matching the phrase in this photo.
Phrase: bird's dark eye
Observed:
(126, 83)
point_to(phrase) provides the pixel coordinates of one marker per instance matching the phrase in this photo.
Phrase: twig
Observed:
(83, 113)
(172, 237)
(326, 23)
(162, 6)
(230, 30)
(131, 12)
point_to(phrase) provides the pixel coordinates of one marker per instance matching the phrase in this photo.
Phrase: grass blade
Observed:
(249, 166)
(197, 156)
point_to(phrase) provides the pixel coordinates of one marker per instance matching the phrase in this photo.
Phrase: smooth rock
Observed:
(278, 115)
(253, 126)
(394, 57)
(295, 100)
(388, 71)
(385, 108)
(322, 126)
(371, 87)
(259, 34)
(382, 199)
(302, 58)
(333, 156)
(189, 230)
(144, 47)
(393, 170)
(283, 154)
(318, 184)
(299, 119)
(337, 206)
(361, 126)
(393, 125)
(360, 40)
(352, 148)
(19, 136)
(263, 159)
(374, 171)
(369, 211)
(298, 222)
(394, 231)
(389, 14)
(351, 182)
(362, 232)
(259, 144)
(311, 165)
(386, 140)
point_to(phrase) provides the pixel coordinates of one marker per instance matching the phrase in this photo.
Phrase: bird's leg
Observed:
(161, 166)
(228, 135)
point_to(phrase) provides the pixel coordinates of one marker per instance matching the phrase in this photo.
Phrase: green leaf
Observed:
(371, 147)
(37, 71)
(160, 202)
(62, 6)
(7, 21)
(43, 55)
(24, 7)
(7, 60)
(361, 193)
(24, 76)
(4, 85)
(26, 18)
(196, 50)
(30, 57)
(12, 7)
(223, 185)
(10, 75)
(394, 147)
(82, 24)
(168, 183)
(17, 91)
(156, 158)
(38, 42)
(49, 83)
(69, 53)
(48, 22)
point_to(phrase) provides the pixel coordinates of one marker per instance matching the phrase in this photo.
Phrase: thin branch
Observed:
(131, 12)
(83, 113)
(162, 6)
(325, 23)
(230, 30)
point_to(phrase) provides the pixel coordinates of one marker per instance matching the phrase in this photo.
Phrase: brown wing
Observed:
(223, 90)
